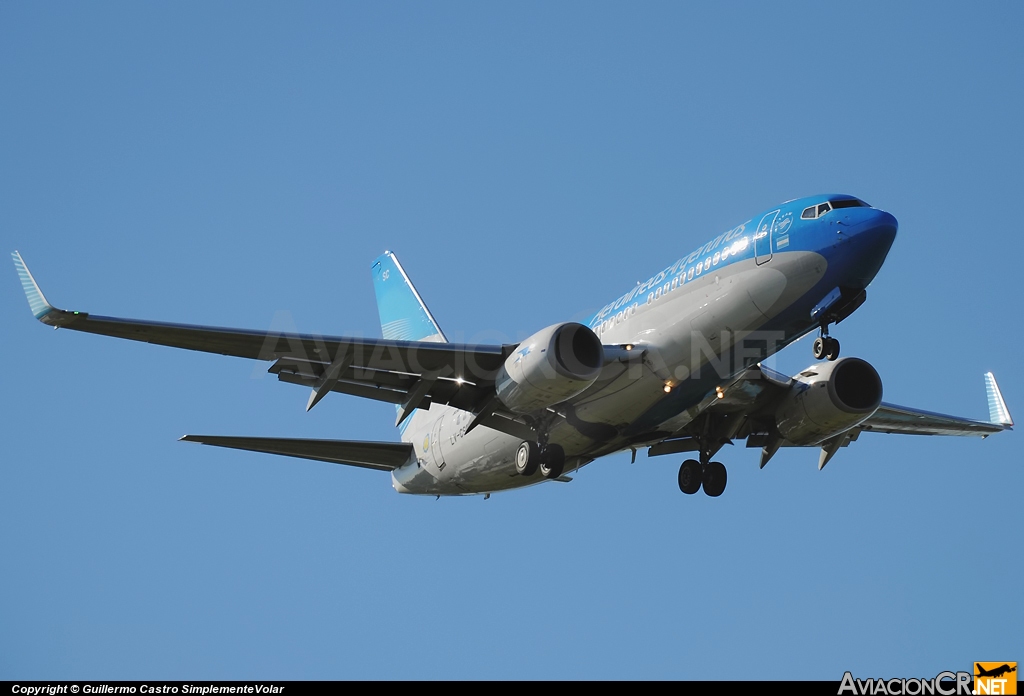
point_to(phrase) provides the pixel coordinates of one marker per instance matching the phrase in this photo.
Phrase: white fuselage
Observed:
(684, 328)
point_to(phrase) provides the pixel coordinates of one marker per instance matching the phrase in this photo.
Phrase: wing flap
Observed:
(384, 456)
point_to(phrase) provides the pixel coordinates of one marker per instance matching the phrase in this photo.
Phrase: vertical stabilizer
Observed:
(404, 317)
(403, 314)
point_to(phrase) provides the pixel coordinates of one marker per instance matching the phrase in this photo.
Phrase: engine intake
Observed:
(827, 399)
(551, 366)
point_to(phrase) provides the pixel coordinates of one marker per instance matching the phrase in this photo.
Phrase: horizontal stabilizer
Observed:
(384, 456)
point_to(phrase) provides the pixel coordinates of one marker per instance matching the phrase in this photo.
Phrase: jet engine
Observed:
(552, 365)
(827, 399)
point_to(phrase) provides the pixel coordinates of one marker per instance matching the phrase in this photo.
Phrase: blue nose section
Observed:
(881, 226)
(870, 238)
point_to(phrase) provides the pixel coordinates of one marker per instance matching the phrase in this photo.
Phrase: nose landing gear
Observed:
(825, 346)
(836, 306)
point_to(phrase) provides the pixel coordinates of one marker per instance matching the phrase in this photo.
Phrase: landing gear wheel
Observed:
(552, 461)
(527, 459)
(819, 348)
(690, 476)
(831, 348)
(714, 479)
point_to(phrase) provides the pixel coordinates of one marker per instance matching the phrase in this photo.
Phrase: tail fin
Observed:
(403, 315)
(997, 411)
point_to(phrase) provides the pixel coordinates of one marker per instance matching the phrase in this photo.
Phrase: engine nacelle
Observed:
(827, 399)
(552, 365)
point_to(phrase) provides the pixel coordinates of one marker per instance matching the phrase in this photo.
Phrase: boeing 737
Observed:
(673, 365)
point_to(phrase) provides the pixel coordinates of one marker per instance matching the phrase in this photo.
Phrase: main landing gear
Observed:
(711, 475)
(532, 457)
(825, 346)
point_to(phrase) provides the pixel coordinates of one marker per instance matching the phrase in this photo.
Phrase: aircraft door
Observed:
(435, 444)
(763, 238)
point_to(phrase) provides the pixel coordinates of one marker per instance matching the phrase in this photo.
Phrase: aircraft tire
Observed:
(819, 348)
(715, 478)
(690, 476)
(831, 348)
(527, 459)
(552, 461)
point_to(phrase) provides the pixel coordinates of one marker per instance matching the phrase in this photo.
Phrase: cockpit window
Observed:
(823, 208)
(808, 214)
(849, 203)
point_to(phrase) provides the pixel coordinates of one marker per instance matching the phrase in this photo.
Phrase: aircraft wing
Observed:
(745, 408)
(384, 456)
(409, 373)
(908, 421)
(760, 389)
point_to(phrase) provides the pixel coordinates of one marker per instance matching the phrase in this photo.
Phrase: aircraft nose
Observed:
(873, 228)
(881, 225)
(871, 236)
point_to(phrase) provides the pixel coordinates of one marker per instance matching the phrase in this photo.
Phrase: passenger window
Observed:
(808, 214)
(823, 208)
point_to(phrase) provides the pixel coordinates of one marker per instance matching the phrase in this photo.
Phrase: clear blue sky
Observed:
(220, 163)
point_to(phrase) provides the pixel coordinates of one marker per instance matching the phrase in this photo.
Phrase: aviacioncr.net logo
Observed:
(943, 684)
(995, 678)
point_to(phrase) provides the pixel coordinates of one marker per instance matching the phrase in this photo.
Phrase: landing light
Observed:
(668, 387)
(459, 381)
(629, 346)
(721, 394)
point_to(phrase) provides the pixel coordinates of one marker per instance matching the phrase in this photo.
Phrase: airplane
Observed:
(673, 365)
(996, 672)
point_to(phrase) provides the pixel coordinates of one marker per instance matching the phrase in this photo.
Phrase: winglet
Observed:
(36, 302)
(997, 411)
(43, 310)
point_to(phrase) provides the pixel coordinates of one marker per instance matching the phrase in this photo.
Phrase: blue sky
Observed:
(226, 163)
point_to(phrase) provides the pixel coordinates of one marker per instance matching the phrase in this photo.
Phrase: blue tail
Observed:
(403, 315)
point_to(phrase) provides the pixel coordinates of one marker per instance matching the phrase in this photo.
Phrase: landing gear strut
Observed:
(825, 346)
